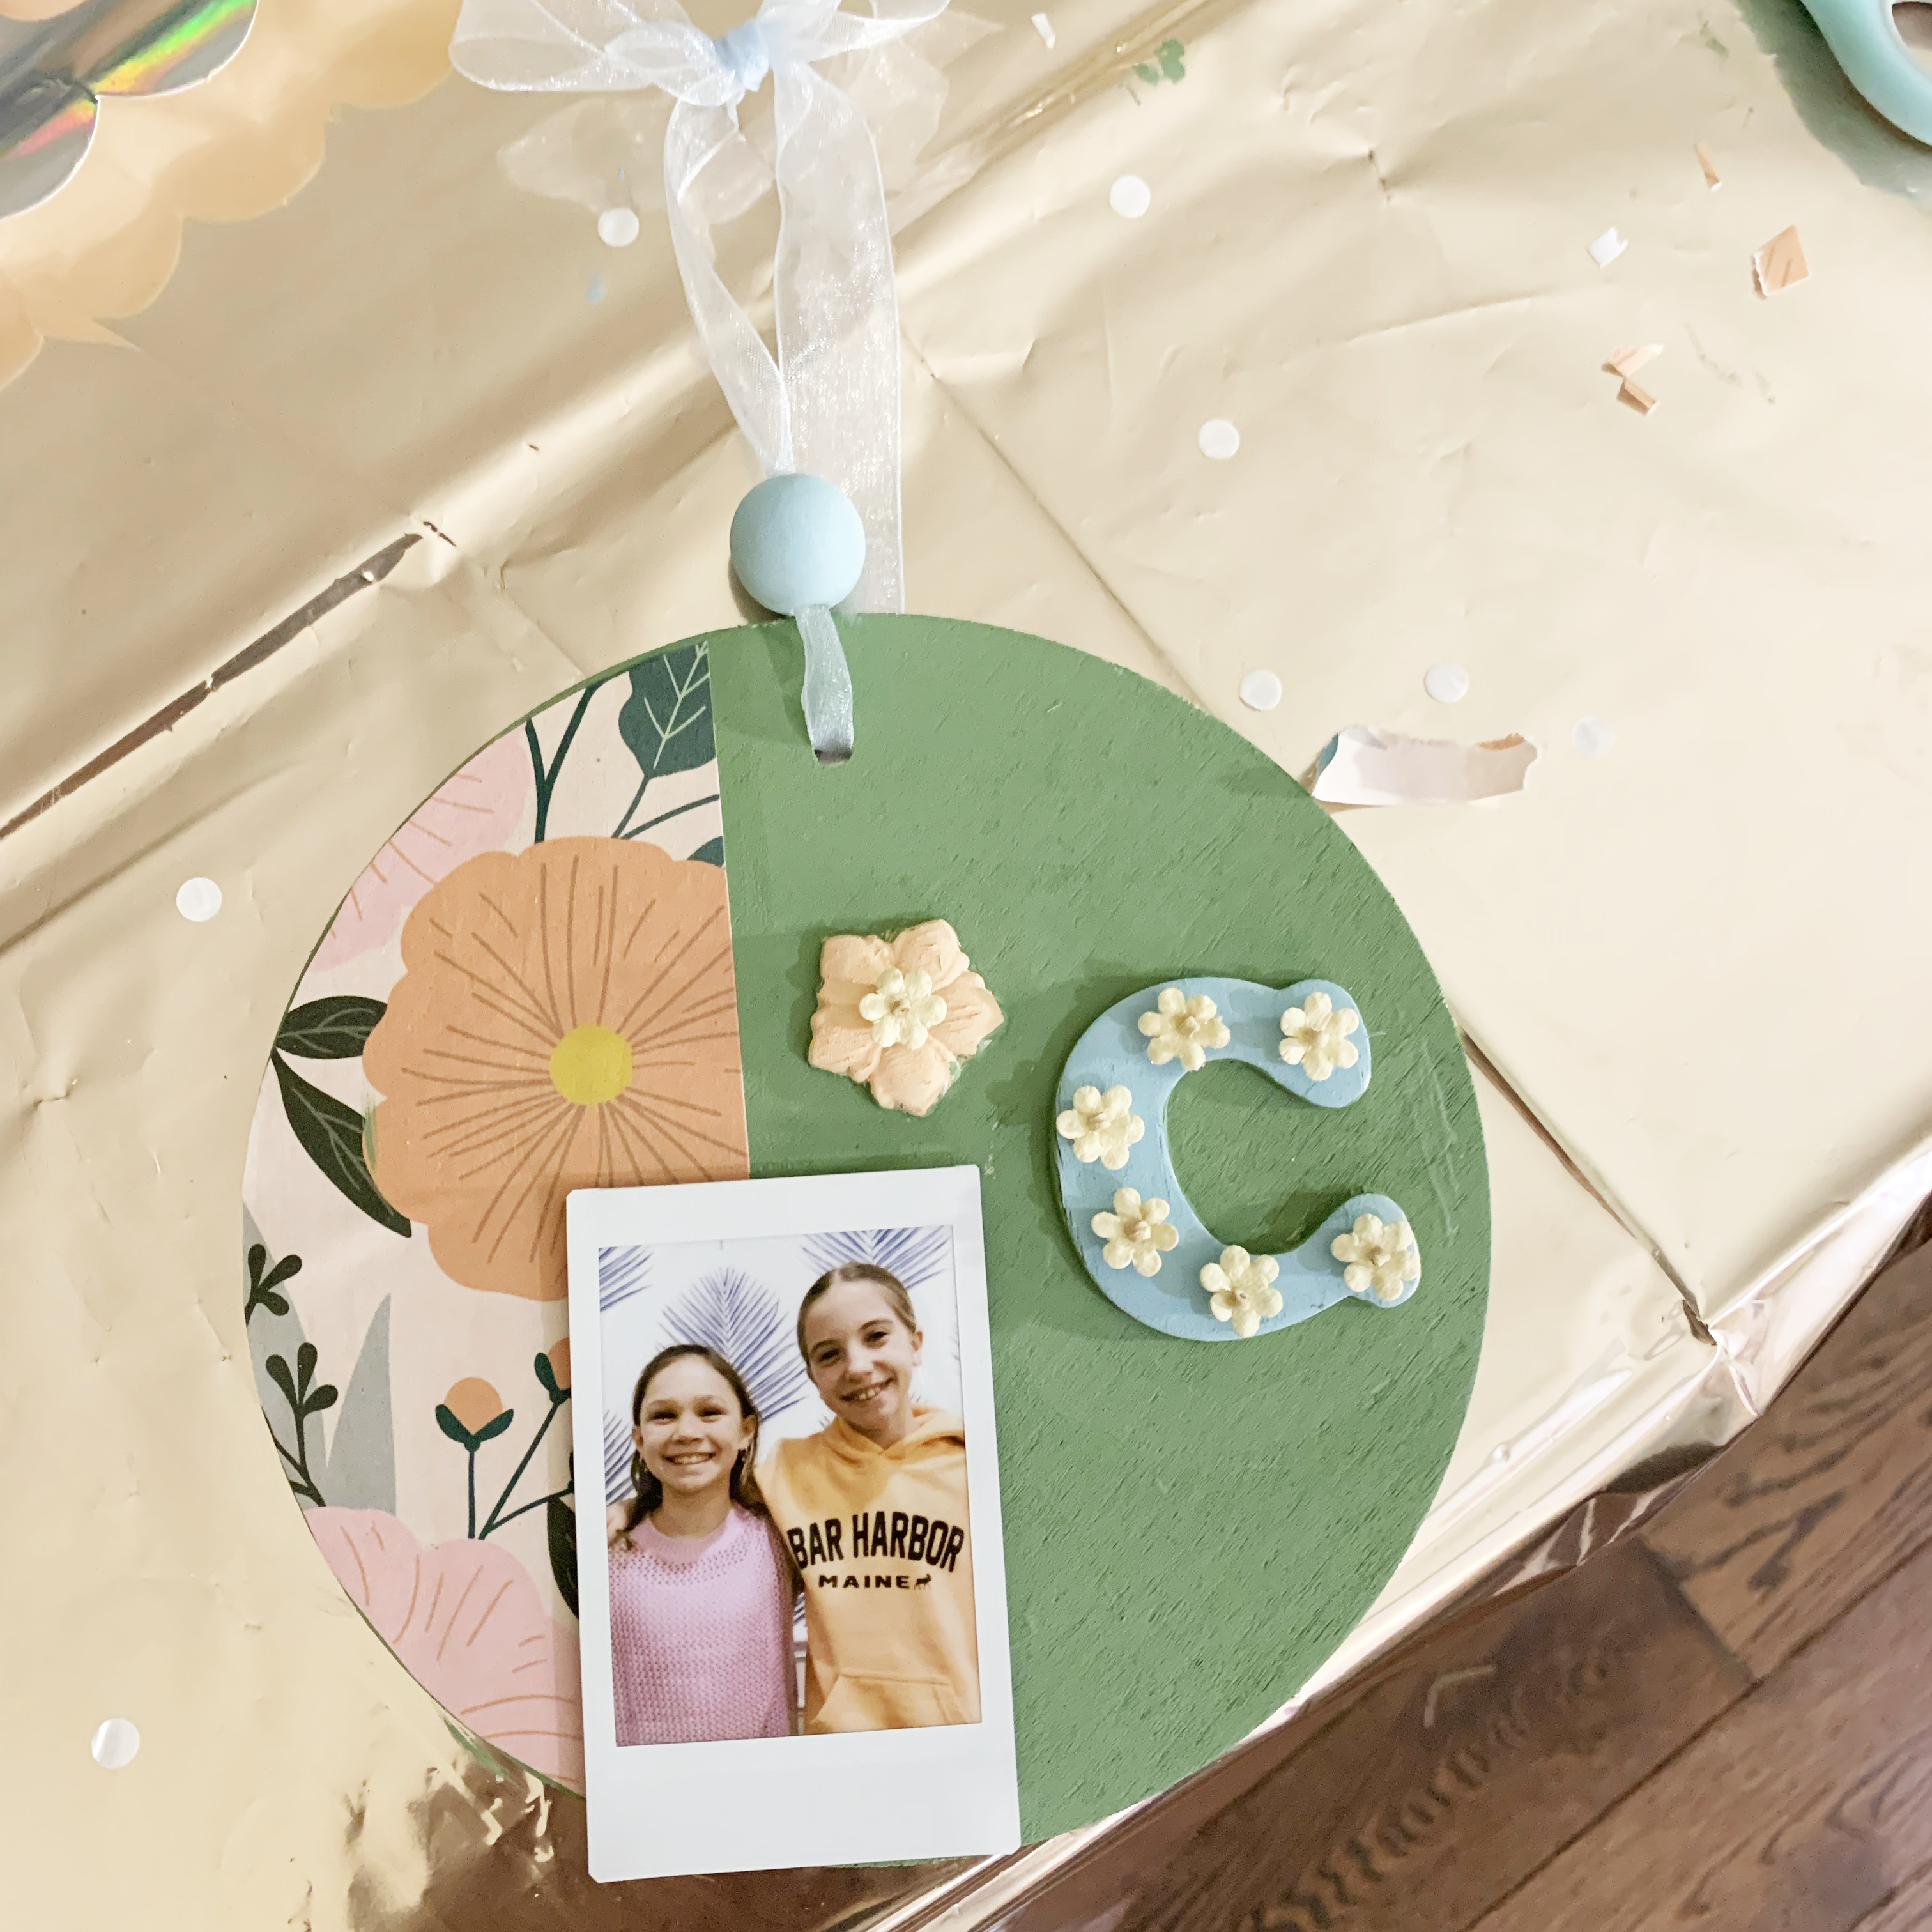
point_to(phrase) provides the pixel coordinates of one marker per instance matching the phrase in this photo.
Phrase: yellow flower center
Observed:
(591, 1065)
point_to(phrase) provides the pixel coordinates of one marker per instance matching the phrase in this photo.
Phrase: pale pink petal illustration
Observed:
(474, 812)
(467, 1623)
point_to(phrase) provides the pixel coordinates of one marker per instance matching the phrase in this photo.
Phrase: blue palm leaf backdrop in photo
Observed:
(742, 1299)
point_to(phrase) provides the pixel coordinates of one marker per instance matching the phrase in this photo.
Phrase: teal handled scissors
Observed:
(1865, 41)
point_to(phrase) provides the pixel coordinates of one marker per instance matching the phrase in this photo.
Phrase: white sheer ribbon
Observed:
(830, 402)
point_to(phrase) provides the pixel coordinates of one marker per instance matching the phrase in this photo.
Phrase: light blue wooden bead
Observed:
(1864, 36)
(797, 541)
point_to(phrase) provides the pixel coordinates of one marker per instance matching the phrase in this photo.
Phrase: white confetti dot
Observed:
(114, 1744)
(1261, 691)
(1218, 439)
(618, 227)
(1607, 246)
(1131, 196)
(1044, 28)
(198, 899)
(1447, 683)
(1592, 737)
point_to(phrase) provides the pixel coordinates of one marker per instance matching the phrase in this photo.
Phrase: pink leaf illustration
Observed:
(467, 1623)
(473, 812)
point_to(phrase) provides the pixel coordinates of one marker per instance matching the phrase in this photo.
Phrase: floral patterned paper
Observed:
(567, 1018)
(528, 988)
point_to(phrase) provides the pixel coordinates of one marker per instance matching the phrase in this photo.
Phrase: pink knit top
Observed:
(700, 1635)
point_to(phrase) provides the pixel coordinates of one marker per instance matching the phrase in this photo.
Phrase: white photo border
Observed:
(762, 1803)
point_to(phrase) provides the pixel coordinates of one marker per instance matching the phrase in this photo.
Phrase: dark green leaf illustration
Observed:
(496, 1426)
(278, 1372)
(560, 1519)
(446, 1421)
(331, 1134)
(332, 1029)
(547, 775)
(712, 852)
(304, 1401)
(274, 1335)
(262, 1286)
(666, 720)
(500, 1512)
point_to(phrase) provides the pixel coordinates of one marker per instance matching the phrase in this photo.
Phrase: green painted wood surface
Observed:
(1190, 1529)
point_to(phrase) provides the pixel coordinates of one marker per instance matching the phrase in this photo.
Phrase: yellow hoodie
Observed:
(881, 1540)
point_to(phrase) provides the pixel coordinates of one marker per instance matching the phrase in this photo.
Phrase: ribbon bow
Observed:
(830, 402)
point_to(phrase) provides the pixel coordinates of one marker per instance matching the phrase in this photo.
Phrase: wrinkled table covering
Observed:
(1365, 248)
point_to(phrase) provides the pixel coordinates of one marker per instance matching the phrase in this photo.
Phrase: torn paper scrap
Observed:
(1044, 28)
(1626, 362)
(1607, 246)
(1707, 162)
(1361, 766)
(1780, 263)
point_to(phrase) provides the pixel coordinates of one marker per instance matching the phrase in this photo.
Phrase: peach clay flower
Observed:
(877, 997)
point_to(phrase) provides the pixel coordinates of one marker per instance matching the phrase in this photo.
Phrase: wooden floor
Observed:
(1725, 1721)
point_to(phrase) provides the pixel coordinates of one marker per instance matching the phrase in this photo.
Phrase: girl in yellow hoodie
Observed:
(874, 1508)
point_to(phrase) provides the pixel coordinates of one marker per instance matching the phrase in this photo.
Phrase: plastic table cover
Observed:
(305, 499)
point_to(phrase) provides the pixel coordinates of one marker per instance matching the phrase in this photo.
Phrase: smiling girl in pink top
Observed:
(700, 1596)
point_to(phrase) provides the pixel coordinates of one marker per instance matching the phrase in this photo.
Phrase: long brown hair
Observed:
(895, 1292)
(649, 1491)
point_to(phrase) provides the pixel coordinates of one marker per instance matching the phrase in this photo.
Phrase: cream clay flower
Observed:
(1102, 1126)
(1182, 1029)
(1240, 1288)
(1381, 1256)
(902, 1007)
(1137, 1232)
(1315, 1036)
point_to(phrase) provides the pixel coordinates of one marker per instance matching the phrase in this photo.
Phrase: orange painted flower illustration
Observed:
(567, 1018)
